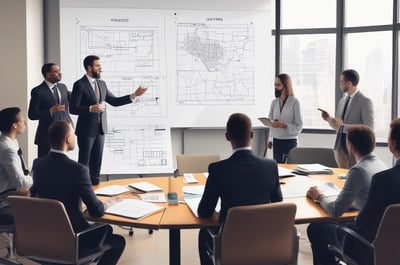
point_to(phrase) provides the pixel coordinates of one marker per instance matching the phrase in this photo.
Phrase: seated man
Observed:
(384, 191)
(60, 178)
(361, 143)
(14, 178)
(242, 179)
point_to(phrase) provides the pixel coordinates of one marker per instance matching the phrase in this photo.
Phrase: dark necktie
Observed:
(345, 107)
(24, 168)
(55, 94)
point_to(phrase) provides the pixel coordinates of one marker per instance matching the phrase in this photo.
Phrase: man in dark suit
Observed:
(49, 102)
(242, 179)
(384, 190)
(57, 177)
(88, 96)
(353, 108)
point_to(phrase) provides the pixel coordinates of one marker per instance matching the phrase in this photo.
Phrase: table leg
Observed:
(174, 246)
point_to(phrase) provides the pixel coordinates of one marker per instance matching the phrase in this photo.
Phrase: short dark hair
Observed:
(395, 132)
(352, 76)
(58, 132)
(362, 137)
(239, 128)
(46, 68)
(88, 61)
(8, 117)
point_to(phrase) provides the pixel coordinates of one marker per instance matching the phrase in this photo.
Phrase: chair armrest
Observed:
(215, 253)
(339, 250)
(100, 230)
(357, 236)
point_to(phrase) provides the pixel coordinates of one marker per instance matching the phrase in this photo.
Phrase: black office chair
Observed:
(384, 248)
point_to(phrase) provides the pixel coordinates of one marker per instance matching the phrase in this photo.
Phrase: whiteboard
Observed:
(200, 65)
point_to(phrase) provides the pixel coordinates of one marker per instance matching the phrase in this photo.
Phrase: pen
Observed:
(282, 182)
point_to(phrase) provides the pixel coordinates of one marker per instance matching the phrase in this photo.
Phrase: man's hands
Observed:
(56, 108)
(138, 92)
(99, 107)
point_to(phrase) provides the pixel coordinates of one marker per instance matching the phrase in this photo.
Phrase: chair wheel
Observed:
(150, 231)
(131, 231)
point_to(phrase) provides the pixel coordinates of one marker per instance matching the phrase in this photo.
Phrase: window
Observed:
(368, 12)
(370, 54)
(310, 61)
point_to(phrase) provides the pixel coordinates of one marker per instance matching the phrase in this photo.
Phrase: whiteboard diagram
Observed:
(137, 149)
(215, 64)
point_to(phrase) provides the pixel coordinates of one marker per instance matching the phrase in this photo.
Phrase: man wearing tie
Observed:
(49, 102)
(353, 108)
(88, 97)
(14, 175)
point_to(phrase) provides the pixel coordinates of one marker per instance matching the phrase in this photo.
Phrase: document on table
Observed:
(144, 186)
(193, 201)
(153, 197)
(111, 190)
(135, 209)
(284, 172)
(299, 189)
(306, 169)
(196, 189)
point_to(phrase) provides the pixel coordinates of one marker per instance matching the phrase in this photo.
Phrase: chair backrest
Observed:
(194, 163)
(387, 239)
(42, 229)
(259, 234)
(309, 155)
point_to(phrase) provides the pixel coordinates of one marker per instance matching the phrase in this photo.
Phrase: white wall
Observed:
(21, 28)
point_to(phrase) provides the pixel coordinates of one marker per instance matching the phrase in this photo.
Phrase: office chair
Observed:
(310, 155)
(194, 163)
(261, 234)
(43, 233)
(384, 247)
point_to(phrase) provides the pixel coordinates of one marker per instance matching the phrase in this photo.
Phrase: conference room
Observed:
(313, 42)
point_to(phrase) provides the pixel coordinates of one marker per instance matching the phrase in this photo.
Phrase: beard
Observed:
(96, 75)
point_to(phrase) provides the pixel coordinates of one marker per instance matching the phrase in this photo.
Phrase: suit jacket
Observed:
(360, 111)
(356, 187)
(242, 179)
(83, 97)
(55, 176)
(39, 109)
(11, 174)
(385, 187)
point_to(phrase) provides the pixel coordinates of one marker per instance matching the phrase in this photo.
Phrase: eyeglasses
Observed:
(23, 121)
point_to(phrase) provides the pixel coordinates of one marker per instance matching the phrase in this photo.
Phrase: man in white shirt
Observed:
(14, 177)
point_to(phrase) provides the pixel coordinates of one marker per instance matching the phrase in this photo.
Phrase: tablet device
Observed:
(265, 121)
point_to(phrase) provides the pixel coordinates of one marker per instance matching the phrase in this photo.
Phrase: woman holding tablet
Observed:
(286, 118)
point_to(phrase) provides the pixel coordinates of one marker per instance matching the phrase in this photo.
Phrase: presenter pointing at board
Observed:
(286, 118)
(89, 95)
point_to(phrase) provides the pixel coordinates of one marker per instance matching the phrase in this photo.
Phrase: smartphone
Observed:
(172, 198)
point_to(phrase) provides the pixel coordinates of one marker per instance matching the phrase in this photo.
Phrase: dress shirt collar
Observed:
(91, 79)
(58, 151)
(355, 92)
(49, 84)
(15, 144)
(241, 148)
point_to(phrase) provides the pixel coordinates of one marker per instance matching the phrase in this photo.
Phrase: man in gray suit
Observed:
(361, 143)
(353, 108)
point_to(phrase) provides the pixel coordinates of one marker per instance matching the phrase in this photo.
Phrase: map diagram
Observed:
(137, 149)
(130, 58)
(215, 64)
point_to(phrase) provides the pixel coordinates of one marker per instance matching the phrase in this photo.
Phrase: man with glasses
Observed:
(353, 108)
(14, 176)
(49, 102)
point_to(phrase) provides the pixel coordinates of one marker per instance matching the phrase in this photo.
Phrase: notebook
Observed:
(135, 209)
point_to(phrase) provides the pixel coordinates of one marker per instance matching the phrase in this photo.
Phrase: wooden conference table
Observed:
(176, 217)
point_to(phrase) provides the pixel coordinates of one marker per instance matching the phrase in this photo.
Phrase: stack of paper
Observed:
(144, 186)
(111, 190)
(132, 208)
(312, 169)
